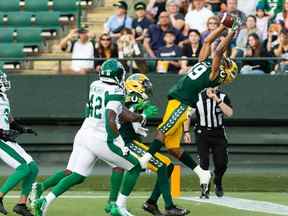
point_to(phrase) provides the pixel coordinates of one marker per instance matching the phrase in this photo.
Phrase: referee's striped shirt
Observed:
(209, 115)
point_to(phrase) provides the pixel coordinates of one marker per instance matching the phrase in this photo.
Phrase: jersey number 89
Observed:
(197, 70)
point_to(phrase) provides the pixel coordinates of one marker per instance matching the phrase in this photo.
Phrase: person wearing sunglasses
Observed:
(106, 49)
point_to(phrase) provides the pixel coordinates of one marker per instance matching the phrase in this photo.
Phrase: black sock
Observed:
(155, 146)
(188, 160)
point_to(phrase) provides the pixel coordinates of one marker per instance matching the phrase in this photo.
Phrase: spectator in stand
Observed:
(155, 34)
(190, 49)
(119, 21)
(282, 17)
(272, 7)
(140, 24)
(183, 7)
(232, 9)
(106, 49)
(212, 23)
(181, 25)
(129, 48)
(78, 43)
(281, 50)
(170, 50)
(262, 21)
(247, 7)
(198, 16)
(215, 5)
(155, 8)
(242, 37)
(254, 49)
(172, 8)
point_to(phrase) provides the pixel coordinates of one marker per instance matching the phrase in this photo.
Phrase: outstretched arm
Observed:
(219, 52)
(206, 48)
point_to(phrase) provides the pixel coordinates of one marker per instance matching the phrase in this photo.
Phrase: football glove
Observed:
(150, 111)
(236, 24)
(139, 129)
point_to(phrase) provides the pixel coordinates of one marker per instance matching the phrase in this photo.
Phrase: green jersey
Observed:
(186, 90)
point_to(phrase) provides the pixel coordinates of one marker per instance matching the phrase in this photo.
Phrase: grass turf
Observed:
(94, 206)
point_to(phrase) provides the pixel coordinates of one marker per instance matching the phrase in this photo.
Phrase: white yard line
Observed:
(231, 202)
(243, 204)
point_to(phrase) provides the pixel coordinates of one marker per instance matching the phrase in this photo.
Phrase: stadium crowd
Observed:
(178, 28)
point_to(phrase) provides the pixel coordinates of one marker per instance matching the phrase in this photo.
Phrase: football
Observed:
(227, 20)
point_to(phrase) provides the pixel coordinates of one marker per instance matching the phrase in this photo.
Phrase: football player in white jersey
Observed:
(14, 155)
(99, 137)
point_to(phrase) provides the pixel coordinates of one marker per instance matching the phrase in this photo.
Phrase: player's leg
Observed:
(85, 162)
(115, 185)
(175, 114)
(14, 156)
(220, 158)
(39, 187)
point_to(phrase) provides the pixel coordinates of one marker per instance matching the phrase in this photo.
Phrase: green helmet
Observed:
(5, 85)
(112, 71)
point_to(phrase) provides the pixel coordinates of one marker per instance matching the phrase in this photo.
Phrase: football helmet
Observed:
(138, 87)
(228, 71)
(112, 71)
(5, 85)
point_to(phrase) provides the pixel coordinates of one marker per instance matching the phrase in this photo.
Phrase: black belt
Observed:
(210, 131)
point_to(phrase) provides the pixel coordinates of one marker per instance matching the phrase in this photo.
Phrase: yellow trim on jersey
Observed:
(172, 123)
(158, 158)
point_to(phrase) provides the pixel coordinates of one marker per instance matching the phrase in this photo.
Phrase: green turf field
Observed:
(86, 204)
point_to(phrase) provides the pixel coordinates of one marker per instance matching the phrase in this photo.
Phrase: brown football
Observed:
(227, 20)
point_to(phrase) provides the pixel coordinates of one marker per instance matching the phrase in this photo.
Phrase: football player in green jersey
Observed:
(138, 90)
(184, 94)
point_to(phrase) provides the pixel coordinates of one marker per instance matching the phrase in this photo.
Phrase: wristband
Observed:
(143, 119)
(219, 102)
(186, 131)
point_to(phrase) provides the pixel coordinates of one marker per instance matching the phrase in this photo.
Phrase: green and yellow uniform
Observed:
(181, 98)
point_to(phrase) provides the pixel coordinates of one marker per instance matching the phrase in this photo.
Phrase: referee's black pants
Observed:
(213, 141)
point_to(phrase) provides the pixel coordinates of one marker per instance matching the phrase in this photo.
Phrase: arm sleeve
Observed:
(227, 101)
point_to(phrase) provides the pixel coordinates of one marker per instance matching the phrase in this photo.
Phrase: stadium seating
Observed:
(7, 35)
(9, 5)
(48, 20)
(67, 6)
(36, 5)
(16, 19)
(29, 36)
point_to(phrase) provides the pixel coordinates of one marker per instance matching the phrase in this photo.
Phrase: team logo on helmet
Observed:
(112, 71)
(228, 71)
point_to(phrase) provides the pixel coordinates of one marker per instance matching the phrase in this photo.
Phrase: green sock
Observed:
(67, 182)
(188, 160)
(115, 183)
(155, 146)
(20, 173)
(29, 179)
(51, 181)
(130, 180)
(162, 186)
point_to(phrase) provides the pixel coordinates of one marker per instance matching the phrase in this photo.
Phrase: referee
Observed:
(210, 135)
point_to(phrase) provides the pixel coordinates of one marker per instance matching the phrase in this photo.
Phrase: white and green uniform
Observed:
(10, 152)
(94, 139)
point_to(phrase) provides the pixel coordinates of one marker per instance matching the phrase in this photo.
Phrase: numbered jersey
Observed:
(102, 96)
(4, 112)
(186, 90)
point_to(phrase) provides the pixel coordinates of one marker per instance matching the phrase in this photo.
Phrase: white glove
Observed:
(139, 129)
(118, 141)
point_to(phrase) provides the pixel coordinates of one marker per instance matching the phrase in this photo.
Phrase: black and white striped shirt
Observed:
(209, 115)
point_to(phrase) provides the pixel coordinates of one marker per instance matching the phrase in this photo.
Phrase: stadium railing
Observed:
(15, 63)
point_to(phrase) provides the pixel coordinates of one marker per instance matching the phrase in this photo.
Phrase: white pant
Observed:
(89, 145)
(13, 154)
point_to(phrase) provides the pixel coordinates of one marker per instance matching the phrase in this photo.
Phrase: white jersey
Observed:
(4, 112)
(102, 96)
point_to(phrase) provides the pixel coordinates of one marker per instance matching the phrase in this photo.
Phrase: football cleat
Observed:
(219, 191)
(22, 210)
(108, 207)
(176, 211)
(205, 190)
(152, 209)
(2, 208)
(40, 206)
(36, 192)
(119, 211)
